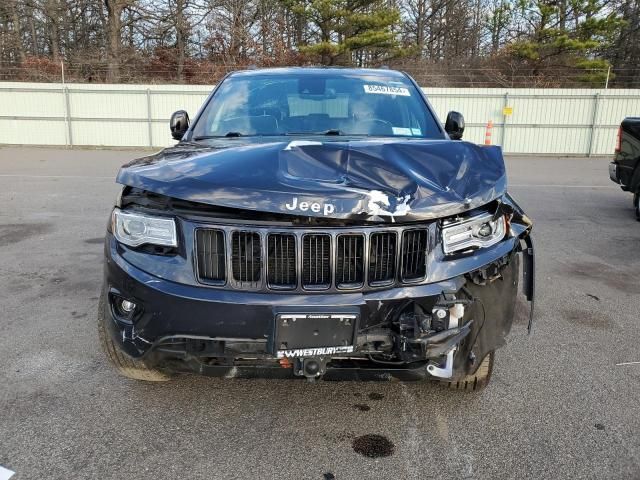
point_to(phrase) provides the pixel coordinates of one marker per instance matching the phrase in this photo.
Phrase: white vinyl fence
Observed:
(532, 121)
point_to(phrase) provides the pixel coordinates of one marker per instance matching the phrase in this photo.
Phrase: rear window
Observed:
(367, 105)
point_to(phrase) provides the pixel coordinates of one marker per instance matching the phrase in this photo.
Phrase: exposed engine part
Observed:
(419, 335)
(440, 343)
(455, 313)
(490, 273)
(375, 341)
(440, 319)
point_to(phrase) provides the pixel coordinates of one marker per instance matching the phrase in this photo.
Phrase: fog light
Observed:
(127, 306)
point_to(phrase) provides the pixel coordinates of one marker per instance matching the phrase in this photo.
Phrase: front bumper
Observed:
(213, 330)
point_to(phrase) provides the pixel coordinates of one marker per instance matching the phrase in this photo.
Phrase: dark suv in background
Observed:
(310, 222)
(625, 169)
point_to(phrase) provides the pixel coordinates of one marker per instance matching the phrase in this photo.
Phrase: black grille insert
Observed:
(316, 260)
(350, 261)
(246, 258)
(211, 255)
(382, 258)
(414, 249)
(313, 260)
(281, 260)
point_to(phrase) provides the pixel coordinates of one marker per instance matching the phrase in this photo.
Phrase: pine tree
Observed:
(567, 34)
(348, 31)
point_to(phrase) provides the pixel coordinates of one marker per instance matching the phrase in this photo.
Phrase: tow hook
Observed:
(456, 312)
(312, 367)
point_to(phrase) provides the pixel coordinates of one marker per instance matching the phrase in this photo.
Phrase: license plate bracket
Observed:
(314, 334)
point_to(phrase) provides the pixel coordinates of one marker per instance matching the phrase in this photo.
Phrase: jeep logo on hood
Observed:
(326, 208)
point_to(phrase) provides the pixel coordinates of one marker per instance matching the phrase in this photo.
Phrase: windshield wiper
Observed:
(226, 135)
(331, 131)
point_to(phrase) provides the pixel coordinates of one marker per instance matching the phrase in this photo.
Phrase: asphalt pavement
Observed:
(564, 402)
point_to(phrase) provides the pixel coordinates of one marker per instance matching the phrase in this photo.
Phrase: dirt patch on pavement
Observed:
(373, 446)
(589, 318)
(616, 278)
(17, 232)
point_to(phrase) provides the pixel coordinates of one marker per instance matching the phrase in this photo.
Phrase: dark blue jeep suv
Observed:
(312, 222)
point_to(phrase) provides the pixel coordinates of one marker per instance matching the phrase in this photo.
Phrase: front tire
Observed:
(125, 365)
(478, 380)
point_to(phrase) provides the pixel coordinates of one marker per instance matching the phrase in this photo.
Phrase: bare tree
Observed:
(114, 24)
(444, 42)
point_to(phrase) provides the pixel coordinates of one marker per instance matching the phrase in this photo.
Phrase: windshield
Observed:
(317, 104)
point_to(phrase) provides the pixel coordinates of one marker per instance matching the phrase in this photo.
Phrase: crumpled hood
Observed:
(375, 180)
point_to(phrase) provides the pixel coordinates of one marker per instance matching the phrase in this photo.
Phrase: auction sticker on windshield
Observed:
(387, 90)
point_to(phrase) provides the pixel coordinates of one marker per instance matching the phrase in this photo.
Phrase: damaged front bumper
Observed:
(441, 329)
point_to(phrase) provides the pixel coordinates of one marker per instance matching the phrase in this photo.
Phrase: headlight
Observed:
(135, 229)
(479, 231)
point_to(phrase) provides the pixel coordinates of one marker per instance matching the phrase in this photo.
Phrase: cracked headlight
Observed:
(479, 231)
(135, 229)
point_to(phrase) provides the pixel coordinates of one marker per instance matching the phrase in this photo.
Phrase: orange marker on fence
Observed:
(487, 135)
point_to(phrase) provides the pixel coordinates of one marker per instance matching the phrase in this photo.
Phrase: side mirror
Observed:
(179, 124)
(454, 125)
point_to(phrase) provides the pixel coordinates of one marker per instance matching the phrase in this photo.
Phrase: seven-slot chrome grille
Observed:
(313, 260)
